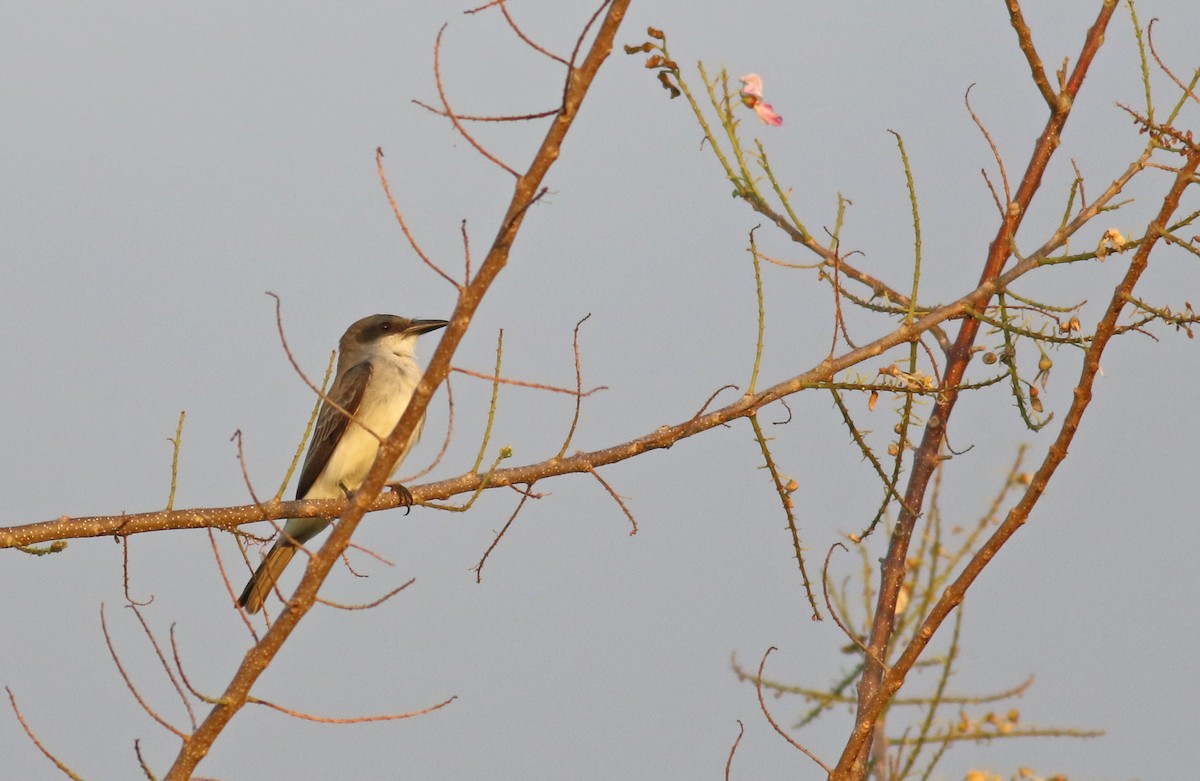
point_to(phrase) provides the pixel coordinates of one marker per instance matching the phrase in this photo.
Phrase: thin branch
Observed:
(300, 372)
(1025, 39)
(733, 749)
(354, 719)
(995, 152)
(526, 494)
(762, 704)
(527, 190)
(617, 498)
(12, 701)
(176, 442)
(489, 118)
(663, 437)
(521, 34)
(925, 460)
(829, 603)
(578, 390)
(162, 659)
(412, 241)
(1187, 90)
(133, 689)
(784, 492)
(449, 112)
(522, 384)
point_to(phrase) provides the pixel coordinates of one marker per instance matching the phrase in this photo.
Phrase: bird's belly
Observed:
(355, 452)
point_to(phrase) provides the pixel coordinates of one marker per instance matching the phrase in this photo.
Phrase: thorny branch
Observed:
(872, 689)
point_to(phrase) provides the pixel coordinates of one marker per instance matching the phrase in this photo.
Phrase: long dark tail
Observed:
(263, 579)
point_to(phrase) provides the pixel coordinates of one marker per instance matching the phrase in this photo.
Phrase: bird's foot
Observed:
(405, 496)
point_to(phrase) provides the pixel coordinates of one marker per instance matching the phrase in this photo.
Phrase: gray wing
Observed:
(346, 393)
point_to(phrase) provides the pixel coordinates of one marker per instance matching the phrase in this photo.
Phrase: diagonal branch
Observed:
(854, 760)
(1019, 514)
(1025, 39)
(525, 193)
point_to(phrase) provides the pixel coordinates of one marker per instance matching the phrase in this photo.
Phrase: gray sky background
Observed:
(165, 164)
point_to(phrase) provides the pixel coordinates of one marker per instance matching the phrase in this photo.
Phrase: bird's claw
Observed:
(405, 496)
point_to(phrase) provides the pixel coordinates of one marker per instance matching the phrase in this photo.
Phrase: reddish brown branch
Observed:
(412, 241)
(578, 390)
(521, 384)
(762, 704)
(449, 112)
(617, 498)
(353, 719)
(1057, 452)
(12, 701)
(663, 437)
(1025, 39)
(925, 460)
(733, 749)
(521, 34)
(526, 191)
(526, 494)
(1162, 65)
(133, 689)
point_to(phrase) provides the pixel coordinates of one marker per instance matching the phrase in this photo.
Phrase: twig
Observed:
(176, 442)
(412, 241)
(1025, 39)
(762, 704)
(12, 701)
(449, 112)
(617, 498)
(353, 719)
(733, 749)
(578, 389)
(133, 689)
(503, 530)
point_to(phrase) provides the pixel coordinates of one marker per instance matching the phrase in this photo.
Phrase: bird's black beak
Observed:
(425, 326)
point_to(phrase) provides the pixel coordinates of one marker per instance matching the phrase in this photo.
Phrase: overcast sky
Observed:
(163, 165)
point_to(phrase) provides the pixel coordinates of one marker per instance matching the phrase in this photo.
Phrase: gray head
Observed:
(390, 333)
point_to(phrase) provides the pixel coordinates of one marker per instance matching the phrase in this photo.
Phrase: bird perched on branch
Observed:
(377, 373)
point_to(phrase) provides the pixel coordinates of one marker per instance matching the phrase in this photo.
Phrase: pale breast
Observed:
(386, 397)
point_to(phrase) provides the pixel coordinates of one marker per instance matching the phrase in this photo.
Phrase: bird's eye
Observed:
(385, 326)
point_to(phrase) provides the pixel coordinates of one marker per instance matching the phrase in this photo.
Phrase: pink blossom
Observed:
(753, 98)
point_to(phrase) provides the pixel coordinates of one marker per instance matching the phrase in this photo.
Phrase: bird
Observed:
(377, 372)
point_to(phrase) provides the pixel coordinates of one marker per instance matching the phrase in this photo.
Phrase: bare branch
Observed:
(926, 458)
(762, 704)
(526, 191)
(12, 701)
(1025, 39)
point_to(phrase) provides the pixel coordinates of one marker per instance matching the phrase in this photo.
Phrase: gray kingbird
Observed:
(377, 373)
